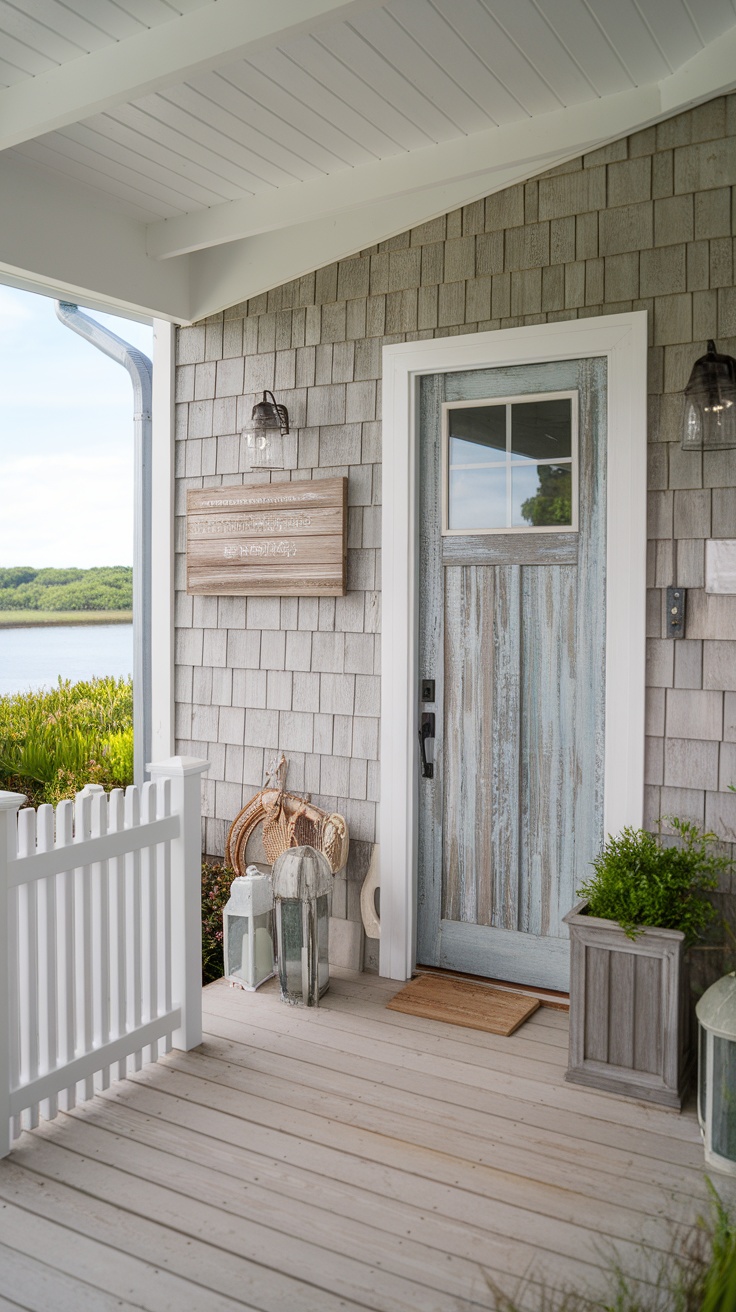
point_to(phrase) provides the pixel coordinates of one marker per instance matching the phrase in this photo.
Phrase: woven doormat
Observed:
(462, 1002)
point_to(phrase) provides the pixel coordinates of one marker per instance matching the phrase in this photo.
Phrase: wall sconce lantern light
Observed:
(264, 435)
(302, 880)
(247, 924)
(716, 1013)
(709, 422)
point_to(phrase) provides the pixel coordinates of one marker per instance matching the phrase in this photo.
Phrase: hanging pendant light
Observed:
(264, 435)
(709, 422)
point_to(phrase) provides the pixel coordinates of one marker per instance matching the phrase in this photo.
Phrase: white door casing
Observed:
(622, 340)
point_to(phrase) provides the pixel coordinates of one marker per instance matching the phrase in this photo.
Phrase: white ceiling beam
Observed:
(57, 239)
(271, 240)
(486, 154)
(196, 42)
(565, 132)
(709, 73)
(225, 275)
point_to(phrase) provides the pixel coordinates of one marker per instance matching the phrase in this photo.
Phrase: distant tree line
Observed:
(104, 587)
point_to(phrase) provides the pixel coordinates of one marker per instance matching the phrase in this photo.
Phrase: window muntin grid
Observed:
(501, 454)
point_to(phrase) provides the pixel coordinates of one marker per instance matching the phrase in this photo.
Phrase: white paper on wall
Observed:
(720, 565)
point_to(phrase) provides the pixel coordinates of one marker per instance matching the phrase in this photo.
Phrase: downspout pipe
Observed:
(140, 369)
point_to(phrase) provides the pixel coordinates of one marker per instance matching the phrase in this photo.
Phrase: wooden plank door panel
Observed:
(512, 632)
(548, 771)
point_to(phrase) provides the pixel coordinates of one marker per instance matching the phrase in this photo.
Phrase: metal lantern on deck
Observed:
(716, 1013)
(302, 880)
(248, 930)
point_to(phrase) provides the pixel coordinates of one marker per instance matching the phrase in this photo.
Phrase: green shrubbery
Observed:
(698, 1275)
(104, 587)
(216, 881)
(53, 743)
(639, 881)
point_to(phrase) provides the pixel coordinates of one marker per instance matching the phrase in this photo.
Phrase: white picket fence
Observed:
(100, 909)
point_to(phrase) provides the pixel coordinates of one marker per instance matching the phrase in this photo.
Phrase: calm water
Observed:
(35, 657)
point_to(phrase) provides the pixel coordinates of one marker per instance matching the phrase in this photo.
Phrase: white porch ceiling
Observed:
(176, 156)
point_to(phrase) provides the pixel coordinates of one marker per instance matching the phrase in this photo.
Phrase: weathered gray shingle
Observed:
(626, 226)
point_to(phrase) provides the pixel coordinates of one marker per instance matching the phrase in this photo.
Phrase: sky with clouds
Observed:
(66, 439)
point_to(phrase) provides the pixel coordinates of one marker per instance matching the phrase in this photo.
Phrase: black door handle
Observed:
(426, 731)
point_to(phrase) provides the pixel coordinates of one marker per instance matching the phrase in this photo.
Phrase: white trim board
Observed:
(622, 339)
(162, 541)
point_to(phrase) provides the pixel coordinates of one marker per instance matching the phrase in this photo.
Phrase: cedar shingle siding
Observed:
(645, 223)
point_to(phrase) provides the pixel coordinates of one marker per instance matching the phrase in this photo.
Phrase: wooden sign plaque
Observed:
(268, 539)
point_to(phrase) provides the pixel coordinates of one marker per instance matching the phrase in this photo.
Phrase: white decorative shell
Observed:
(372, 882)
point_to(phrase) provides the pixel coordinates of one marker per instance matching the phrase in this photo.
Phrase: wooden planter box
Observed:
(628, 1013)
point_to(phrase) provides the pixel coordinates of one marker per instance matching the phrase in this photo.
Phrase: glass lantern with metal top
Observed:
(709, 421)
(264, 435)
(302, 880)
(716, 1013)
(248, 937)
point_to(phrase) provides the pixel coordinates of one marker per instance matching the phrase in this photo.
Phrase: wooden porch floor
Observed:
(344, 1158)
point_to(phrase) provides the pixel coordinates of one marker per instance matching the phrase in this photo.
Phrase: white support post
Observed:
(9, 806)
(185, 773)
(162, 541)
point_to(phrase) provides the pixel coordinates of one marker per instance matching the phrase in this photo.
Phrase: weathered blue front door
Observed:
(512, 632)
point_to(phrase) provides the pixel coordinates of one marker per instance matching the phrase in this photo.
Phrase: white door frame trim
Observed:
(622, 339)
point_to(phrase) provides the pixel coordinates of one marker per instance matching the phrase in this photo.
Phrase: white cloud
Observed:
(66, 439)
(14, 309)
(67, 510)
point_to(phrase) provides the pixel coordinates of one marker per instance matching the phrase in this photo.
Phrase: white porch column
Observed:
(162, 541)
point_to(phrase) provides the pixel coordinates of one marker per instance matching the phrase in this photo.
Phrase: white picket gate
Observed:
(100, 909)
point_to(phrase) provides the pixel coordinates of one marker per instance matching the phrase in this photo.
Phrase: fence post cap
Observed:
(180, 765)
(11, 801)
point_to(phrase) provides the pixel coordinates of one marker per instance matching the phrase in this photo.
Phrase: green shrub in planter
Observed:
(644, 906)
(641, 883)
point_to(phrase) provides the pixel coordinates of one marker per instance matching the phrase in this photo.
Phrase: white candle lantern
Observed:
(248, 930)
(302, 880)
(716, 1013)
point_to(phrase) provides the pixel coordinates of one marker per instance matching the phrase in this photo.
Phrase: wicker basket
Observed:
(288, 821)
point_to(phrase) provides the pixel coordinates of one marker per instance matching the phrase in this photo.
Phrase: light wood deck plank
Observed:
(362, 1196)
(344, 1158)
(456, 1059)
(112, 1275)
(39, 1287)
(322, 1065)
(292, 1082)
(496, 1187)
(372, 1021)
(447, 1195)
(199, 1231)
(270, 1227)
